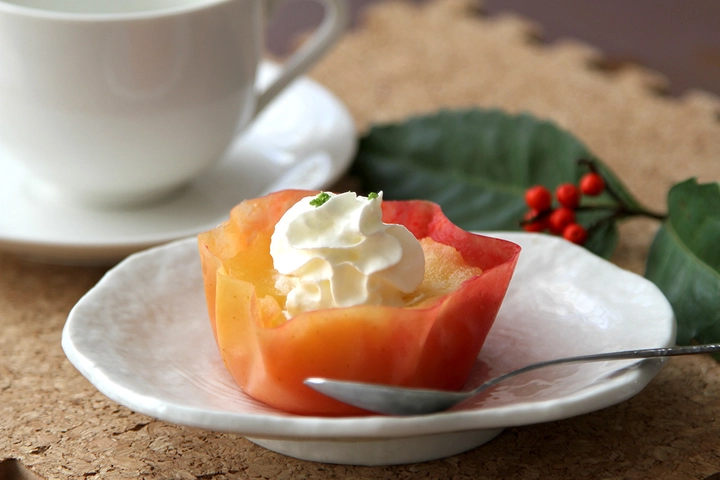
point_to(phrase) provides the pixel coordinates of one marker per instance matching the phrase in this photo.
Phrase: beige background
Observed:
(678, 38)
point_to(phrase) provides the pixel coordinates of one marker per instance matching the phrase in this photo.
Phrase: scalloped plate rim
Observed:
(293, 427)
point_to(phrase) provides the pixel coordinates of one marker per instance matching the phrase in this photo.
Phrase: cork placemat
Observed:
(406, 59)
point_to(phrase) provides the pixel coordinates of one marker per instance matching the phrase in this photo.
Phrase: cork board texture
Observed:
(406, 59)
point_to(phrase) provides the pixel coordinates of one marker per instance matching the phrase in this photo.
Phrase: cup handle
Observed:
(332, 27)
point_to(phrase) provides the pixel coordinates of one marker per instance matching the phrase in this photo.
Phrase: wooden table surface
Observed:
(403, 59)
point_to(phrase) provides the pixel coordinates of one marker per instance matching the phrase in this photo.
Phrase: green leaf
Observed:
(616, 186)
(684, 260)
(603, 238)
(476, 164)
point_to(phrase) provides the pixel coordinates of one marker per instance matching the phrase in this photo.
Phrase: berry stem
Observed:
(623, 210)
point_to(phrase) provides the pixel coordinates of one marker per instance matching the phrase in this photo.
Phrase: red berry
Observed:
(560, 218)
(575, 233)
(568, 195)
(537, 225)
(592, 184)
(538, 198)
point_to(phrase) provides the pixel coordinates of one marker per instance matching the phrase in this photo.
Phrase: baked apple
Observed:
(429, 337)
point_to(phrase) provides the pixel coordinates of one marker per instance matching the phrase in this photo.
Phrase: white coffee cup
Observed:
(120, 102)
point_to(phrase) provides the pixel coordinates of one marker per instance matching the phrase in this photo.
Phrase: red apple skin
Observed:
(432, 346)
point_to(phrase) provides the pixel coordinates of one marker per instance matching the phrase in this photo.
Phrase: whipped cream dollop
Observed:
(335, 251)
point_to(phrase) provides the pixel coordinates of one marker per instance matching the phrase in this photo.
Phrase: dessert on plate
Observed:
(314, 284)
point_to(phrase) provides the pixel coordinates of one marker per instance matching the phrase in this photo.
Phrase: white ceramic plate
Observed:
(142, 337)
(305, 139)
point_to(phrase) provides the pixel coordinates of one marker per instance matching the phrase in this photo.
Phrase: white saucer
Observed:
(142, 337)
(305, 139)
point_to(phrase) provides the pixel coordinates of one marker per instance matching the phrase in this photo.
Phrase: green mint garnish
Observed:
(320, 199)
(372, 195)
